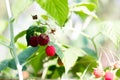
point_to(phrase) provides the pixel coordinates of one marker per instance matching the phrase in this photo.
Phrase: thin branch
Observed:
(96, 35)
(93, 42)
(85, 71)
(2, 43)
(85, 35)
(87, 21)
(13, 50)
(91, 39)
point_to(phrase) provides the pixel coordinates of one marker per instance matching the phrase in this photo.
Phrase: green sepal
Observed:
(43, 29)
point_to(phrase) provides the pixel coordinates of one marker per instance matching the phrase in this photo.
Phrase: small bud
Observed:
(34, 17)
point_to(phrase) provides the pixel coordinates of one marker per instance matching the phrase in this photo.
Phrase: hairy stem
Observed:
(93, 42)
(91, 39)
(13, 50)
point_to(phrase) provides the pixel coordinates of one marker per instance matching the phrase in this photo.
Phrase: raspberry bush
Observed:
(61, 41)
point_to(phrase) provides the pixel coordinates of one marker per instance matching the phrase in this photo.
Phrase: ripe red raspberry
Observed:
(33, 41)
(50, 50)
(109, 76)
(43, 39)
(98, 72)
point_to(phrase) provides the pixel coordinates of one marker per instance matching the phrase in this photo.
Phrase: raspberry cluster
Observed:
(98, 73)
(42, 40)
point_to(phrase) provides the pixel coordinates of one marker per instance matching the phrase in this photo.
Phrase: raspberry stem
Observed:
(12, 44)
(3, 43)
(92, 40)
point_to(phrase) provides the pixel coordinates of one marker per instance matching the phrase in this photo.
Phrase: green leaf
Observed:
(83, 62)
(89, 5)
(70, 57)
(4, 64)
(118, 73)
(84, 10)
(58, 9)
(90, 52)
(12, 64)
(21, 45)
(22, 33)
(112, 31)
(42, 29)
(55, 72)
(61, 70)
(37, 60)
(55, 75)
(20, 5)
(23, 56)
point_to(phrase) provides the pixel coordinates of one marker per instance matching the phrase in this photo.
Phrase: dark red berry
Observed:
(50, 50)
(109, 76)
(43, 39)
(33, 41)
(98, 72)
